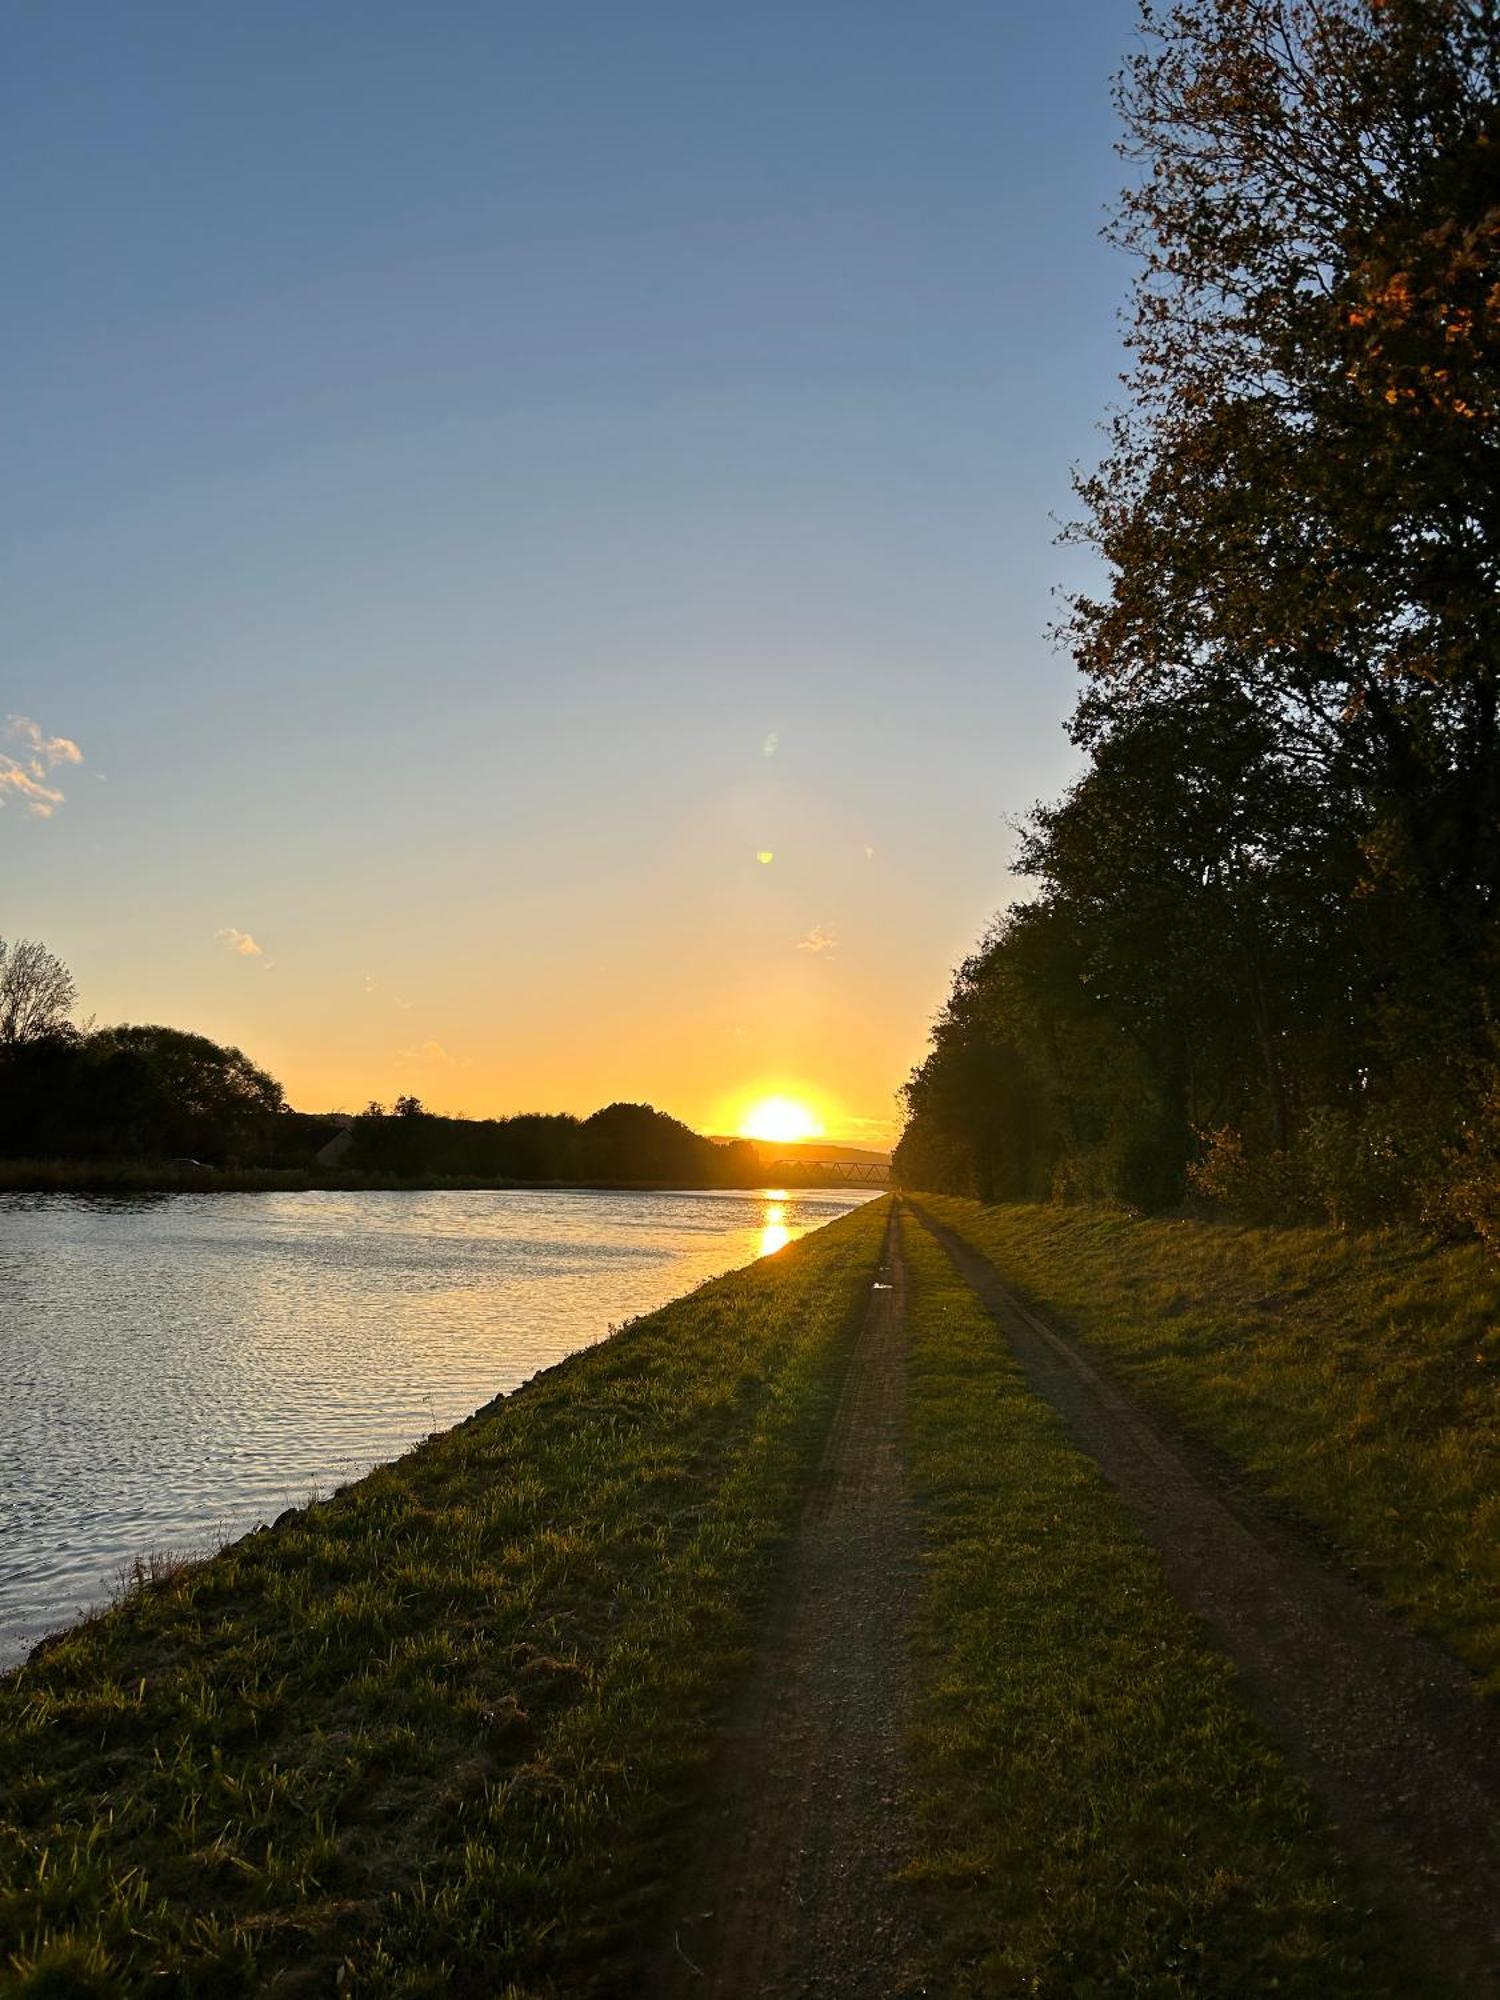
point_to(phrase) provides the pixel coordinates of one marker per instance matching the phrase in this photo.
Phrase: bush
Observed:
(1254, 1187)
(1467, 1197)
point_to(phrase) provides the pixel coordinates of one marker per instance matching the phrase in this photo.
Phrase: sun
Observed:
(780, 1118)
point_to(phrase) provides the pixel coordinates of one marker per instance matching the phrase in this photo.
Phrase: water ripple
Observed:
(176, 1368)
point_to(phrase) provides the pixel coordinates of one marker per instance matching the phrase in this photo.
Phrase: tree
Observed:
(1304, 498)
(1271, 906)
(138, 1093)
(37, 994)
(165, 1092)
(636, 1142)
(986, 1114)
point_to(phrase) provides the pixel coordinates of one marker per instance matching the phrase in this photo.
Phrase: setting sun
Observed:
(780, 1118)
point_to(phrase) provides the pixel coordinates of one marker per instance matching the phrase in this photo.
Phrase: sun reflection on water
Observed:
(774, 1233)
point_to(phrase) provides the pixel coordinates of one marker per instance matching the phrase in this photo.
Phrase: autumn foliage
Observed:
(1261, 956)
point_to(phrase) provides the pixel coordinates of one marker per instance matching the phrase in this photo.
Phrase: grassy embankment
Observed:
(430, 1736)
(1101, 1815)
(1355, 1377)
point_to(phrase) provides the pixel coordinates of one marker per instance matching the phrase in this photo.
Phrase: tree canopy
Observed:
(37, 994)
(1262, 950)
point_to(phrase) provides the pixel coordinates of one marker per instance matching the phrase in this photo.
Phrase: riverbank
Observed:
(305, 1337)
(433, 1734)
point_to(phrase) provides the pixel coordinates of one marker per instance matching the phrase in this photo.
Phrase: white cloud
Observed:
(818, 940)
(26, 772)
(771, 745)
(242, 945)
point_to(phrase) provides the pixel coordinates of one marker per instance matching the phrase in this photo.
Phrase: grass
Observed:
(1355, 1377)
(1100, 1814)
(432, 1736)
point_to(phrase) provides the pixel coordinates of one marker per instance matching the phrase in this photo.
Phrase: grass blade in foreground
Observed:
(427, 1737)
(1357, 1376)
(1102, 1815)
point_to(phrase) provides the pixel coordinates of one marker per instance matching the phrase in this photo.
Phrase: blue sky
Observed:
(479, 475)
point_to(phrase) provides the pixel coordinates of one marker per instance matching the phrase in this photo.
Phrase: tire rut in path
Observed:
(791, 1895)
(1384, 1725)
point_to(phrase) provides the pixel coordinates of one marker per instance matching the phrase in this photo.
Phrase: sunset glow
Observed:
(627, 580)
(783, 1119)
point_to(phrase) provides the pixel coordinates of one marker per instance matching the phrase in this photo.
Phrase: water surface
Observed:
(175, 1368)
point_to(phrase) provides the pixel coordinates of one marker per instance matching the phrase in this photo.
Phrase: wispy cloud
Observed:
(26, 769)
(434, 1052)
(242, 945)
(771, 745)
(818, 940)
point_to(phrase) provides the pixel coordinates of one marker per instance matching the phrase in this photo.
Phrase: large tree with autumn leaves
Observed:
(1299, 517)
(1304, 495)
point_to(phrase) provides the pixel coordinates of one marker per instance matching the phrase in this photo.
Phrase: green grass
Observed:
(1356, 1377)
(433, 1735)
(1101, 1816)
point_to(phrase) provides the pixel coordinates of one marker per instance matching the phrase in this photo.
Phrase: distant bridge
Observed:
(863, 1173)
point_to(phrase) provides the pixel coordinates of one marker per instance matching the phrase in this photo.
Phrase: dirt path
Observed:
(1385, 1726)
(792, 1895)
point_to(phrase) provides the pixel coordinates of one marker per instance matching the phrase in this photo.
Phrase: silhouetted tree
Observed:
(37, 993)
(168, 1092)
(635, 1142)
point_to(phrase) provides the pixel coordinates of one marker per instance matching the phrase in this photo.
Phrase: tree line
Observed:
(151, 1097)
(136, 1093)
(622, 1142)
(1259, 962)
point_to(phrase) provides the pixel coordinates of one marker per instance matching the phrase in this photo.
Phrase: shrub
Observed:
(1254, 1187)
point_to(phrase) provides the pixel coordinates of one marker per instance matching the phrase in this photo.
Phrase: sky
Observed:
(480, 478)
